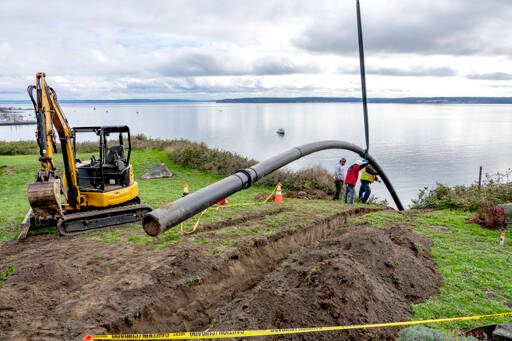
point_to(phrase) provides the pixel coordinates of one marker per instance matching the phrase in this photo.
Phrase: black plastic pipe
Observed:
(168, 216)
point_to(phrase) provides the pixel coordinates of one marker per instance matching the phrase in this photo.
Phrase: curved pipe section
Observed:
(168, 216)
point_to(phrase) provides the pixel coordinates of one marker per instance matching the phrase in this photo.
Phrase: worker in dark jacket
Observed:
(351, 179)
(339, 177)
(368, 176)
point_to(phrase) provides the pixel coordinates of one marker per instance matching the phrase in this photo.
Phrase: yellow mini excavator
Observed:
(99, 193)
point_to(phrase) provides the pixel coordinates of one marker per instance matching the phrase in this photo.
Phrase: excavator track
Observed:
(100, 219)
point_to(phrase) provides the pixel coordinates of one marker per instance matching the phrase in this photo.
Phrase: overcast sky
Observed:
(213, 49)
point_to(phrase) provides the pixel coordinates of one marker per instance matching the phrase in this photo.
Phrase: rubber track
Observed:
(138, 209)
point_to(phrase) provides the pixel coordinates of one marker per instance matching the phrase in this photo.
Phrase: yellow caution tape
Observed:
(223, 206)
(215, 334)
(195, 225)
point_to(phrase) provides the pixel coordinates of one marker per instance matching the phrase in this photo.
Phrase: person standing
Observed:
(339, 177)
(351, 179)
(368, 176)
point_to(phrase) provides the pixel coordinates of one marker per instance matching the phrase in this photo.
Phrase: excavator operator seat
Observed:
(116, 153)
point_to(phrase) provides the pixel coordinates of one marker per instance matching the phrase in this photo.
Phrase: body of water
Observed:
(416, 144)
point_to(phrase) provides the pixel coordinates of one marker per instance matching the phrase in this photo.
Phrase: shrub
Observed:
(224, 163)
(496, 189)
(199, 156)
(490, 216)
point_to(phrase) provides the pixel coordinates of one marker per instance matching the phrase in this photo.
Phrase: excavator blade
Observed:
(44, 198)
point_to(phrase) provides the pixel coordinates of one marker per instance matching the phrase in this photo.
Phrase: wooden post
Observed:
(480, 179)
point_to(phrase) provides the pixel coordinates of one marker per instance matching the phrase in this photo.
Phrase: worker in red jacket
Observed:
(351, 179)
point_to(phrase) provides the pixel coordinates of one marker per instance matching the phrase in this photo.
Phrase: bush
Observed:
(224, 163)
(490, 216)
(496, 189)
(19, 147)
(199, 156)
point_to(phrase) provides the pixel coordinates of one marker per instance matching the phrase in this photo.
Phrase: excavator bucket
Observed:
(44, 198)
(45, 206)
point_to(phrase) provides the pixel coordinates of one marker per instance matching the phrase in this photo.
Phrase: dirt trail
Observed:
(65, 287)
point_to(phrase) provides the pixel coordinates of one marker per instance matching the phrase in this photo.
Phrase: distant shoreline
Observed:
(404, 100)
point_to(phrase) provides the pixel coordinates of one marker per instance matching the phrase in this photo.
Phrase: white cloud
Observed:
(213, 49)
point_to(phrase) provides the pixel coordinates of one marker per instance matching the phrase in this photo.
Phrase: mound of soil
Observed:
(64, 288)
(362, 276)
(310, 194)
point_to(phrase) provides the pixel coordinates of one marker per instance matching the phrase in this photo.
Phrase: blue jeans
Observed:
(349, 189)
(364, 191)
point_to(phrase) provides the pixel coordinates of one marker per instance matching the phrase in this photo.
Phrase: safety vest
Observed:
(365, 176)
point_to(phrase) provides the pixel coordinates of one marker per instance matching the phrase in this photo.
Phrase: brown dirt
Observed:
(310, 194)
(361, 276)
(64, 288)
(244, 217)
(263, 196)
(8, 170)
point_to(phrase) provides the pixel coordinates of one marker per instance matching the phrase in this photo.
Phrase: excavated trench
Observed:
(191, 306)
(322, 273)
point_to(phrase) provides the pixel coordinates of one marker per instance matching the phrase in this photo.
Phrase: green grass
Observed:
(18, 170)
(476, 272)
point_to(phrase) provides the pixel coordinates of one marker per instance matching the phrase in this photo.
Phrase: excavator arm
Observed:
(44, 193)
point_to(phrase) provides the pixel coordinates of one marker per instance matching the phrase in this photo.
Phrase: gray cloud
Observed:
(224, 64)
(496, 76)
(119, 49)
(457, 27)
(414, 72)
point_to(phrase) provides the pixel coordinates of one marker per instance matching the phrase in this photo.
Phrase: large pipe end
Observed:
(152, 225)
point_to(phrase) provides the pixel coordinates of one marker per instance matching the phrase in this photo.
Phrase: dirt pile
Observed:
(63, 288)
(361, 276)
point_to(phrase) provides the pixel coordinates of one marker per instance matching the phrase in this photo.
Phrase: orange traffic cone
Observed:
(223, 202)
(279, 196)
(185, 190)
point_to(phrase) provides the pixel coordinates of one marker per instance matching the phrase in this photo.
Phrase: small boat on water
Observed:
(280, 131)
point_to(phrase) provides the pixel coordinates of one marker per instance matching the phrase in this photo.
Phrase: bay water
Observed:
(417, 145)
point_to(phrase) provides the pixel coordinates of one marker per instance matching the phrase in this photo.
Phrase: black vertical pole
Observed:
(479, 179)
(363, 76)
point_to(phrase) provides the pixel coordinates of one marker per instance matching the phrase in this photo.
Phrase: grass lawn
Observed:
(18, 170)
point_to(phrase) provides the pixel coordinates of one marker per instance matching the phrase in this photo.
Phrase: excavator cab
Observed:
(111, 169)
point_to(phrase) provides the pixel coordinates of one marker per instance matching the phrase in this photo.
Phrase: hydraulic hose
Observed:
(170, 215)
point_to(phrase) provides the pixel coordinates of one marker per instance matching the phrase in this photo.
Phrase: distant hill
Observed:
(408, 100)
(134, 100)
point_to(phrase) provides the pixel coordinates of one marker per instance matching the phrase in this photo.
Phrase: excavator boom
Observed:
(44, 193)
